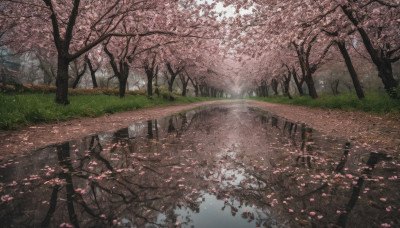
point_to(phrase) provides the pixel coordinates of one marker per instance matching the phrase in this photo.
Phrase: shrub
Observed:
(167, 95)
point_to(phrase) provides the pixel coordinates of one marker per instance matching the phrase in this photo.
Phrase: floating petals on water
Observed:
(291, 210)
(383, 199)
(312, 199)
(6, 198)
(64, 224)
(168, 180)
(312, 213)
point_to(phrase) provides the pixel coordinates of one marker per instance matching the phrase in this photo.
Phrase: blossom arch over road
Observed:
(269, 43)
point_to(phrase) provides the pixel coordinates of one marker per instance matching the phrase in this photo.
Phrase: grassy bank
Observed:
(373, 102)
(29, 109)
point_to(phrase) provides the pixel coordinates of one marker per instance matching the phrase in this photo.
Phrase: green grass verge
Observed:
(29, 109)
(373, 102)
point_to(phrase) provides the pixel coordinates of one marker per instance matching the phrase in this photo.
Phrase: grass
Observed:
(374, 102)
(29, 109)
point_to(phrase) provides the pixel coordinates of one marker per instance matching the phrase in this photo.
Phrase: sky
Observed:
(227, 11)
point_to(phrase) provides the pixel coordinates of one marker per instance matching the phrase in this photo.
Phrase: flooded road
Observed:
(224, 166)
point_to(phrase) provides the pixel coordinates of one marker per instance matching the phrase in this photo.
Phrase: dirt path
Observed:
(380, 132)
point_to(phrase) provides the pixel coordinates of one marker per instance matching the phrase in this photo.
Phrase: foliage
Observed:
(167, 95)
(43, 89)
(373, 102)
(27, 109)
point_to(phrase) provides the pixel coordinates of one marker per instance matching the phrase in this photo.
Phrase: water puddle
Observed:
(225, 166)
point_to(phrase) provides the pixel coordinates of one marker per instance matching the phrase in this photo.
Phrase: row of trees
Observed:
(152, 37)
(263, 45)
(292, 40)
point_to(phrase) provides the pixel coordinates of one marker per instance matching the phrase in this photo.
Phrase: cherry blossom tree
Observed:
(378, 23)
(274, 24)
(77, 26)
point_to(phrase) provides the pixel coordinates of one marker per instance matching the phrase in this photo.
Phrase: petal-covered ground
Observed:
(379, 131)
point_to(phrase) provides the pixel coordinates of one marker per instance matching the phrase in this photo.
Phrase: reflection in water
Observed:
(228, 166)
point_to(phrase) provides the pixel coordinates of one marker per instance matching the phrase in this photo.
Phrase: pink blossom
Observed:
(6, 198)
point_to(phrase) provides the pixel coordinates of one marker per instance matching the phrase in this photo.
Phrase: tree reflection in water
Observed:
(229, 166)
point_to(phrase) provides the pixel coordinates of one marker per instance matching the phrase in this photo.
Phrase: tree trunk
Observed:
(274, 85)
(352, 71)
(335, 86)
(92, 72)
(149, 84)
(385, 72)
(286, 86)
(196, 90)
(311, 87)
(3, 78)
(76, 82)
(94, 81)
(62, 81)
(265, 89)
(299, 84)
(173, 75)
(184, 90)
(171, 83)
(78, 77)
(122, 86)
(123, 78)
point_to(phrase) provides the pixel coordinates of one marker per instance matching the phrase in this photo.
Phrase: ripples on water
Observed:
(226, 166)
